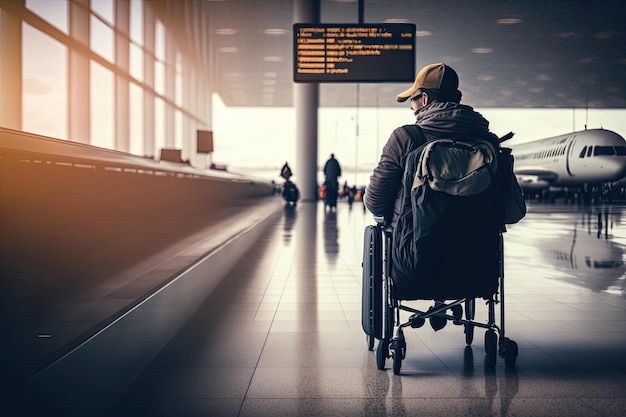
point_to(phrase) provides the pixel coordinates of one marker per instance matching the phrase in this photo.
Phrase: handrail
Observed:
(33, 147)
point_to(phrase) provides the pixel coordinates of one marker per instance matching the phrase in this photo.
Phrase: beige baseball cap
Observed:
(432, 77)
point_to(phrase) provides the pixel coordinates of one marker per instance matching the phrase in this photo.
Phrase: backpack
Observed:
(454, 167)
(290, 191)
(445, 243)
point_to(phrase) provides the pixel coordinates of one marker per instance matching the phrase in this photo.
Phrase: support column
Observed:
(306, 101)
(11, 69)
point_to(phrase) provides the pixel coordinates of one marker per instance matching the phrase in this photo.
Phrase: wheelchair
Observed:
(382, 305)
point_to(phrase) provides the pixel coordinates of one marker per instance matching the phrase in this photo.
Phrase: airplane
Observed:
(594, 156)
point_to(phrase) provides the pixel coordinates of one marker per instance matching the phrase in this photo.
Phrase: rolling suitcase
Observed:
(372, 293)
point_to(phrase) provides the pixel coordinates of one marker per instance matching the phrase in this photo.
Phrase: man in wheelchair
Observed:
(437, 187)
(435, 101)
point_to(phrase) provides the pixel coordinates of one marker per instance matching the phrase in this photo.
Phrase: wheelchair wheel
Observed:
(469, 333)
(470, 309)
(382, 352)
(491, 348)
(398, 348)
(397, 361)
(370, 341)
(508, 350)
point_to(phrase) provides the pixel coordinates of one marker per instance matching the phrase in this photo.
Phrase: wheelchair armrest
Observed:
(380, 221)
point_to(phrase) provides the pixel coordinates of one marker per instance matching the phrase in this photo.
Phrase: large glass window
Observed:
(193, 92)
(46, 83)
(178, 124)
(54, 12)
(159, 41)
(159, 53)
(179, 80)
(136, 62)
(44, 78)
(102, 106)
(101, 40)
(104, 8)
(136, 21)
(136, 120)
(159, 77)
(159, 126)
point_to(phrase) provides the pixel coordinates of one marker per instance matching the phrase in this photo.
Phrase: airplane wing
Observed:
(531, 182)
(542, 173)
(535, 178)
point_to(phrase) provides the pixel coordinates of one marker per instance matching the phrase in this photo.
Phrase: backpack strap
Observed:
(416, 134)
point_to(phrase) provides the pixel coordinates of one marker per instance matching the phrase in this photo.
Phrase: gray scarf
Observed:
(444, 118)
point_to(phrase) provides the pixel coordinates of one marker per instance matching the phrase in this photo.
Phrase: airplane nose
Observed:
(616, 168)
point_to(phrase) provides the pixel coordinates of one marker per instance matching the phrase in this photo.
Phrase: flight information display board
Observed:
(377, 52)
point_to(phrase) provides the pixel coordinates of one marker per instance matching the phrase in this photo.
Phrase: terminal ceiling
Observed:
(508, 53)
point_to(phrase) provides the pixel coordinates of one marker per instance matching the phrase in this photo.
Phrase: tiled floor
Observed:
(282, 335)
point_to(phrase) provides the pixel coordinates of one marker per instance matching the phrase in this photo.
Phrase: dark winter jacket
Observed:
(332, 169)
(436, 120)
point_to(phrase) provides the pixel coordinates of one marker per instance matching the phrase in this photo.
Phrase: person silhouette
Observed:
(332, 169)
(285, 171)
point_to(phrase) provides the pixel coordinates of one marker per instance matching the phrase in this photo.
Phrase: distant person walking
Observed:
(291, 194)
(332, 169)
(285, 171)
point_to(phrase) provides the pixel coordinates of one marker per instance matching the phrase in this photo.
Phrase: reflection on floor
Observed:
(282, 335)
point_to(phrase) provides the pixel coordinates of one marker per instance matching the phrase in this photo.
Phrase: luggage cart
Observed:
(381, 309)
(331, 194)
